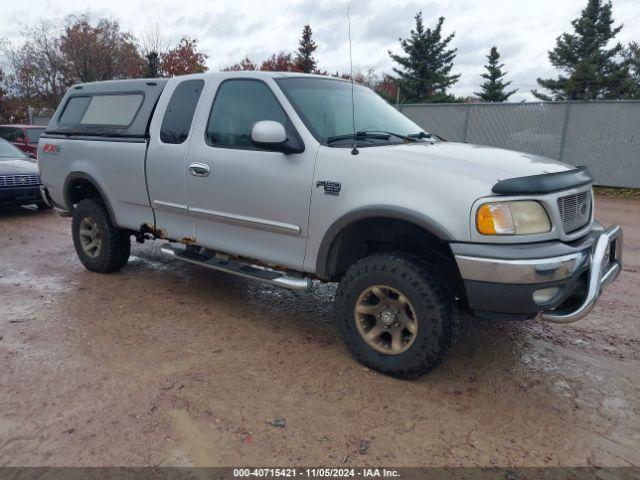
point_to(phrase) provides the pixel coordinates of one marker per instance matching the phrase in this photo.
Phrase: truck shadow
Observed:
(21, 211)
(309, 315)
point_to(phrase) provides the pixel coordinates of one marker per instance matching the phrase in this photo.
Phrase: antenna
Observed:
(354, 150)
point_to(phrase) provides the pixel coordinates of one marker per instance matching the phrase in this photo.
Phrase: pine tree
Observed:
(493, 89)
(304, 58)
(589, 69)
(152, 69)
(425, 73)
(632, 60)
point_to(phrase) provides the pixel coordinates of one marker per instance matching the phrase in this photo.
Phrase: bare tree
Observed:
(153, 40)
(37, 67)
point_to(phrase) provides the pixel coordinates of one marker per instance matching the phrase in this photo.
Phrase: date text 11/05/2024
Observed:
(316, 472)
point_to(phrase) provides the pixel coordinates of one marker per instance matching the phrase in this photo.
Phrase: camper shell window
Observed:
(113, 110)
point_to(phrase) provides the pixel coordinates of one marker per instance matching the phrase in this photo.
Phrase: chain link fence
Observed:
(604, 136)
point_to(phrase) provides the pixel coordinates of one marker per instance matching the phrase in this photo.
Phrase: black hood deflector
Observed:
(544, 183)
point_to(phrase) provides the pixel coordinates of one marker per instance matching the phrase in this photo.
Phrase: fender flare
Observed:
(374, 211)
(85, 176)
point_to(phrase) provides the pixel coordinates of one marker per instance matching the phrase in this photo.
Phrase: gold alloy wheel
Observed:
(386, 319)
(90, 238)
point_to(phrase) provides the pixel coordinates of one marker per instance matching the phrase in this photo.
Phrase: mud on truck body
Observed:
(260, 175)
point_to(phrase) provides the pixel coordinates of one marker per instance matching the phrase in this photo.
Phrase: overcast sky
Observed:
(228, 30)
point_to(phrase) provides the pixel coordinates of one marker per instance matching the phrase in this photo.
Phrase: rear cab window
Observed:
(178, 116)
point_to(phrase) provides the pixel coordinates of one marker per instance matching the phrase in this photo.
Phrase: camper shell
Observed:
(110, 109)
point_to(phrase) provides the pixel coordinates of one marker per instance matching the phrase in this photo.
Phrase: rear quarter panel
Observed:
(116, 167)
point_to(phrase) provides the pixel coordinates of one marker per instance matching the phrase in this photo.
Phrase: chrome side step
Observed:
(237, 267)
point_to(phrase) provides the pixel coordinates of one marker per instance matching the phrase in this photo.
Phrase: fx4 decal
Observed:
(330, 188)
(51, 148)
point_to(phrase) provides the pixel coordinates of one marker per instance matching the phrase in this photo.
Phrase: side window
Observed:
(238, 105)
(10, 134)
(177, 119)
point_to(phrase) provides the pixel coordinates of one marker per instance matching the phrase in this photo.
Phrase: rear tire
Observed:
(396, 315)
(100, 245)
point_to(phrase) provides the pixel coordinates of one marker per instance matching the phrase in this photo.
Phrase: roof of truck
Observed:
(162, 80)
(148, 89)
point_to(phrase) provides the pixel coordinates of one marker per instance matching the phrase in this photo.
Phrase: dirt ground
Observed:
(166, 363)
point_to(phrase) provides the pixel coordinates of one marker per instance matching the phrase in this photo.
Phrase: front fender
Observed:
(374, 211)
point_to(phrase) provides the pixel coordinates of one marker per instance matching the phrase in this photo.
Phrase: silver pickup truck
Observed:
(279, 177)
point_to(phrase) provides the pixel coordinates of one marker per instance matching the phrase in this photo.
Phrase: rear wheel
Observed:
(396, 314)
(100, 245)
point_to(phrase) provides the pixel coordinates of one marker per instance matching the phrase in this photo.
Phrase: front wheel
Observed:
(100, 245)
(396, 314)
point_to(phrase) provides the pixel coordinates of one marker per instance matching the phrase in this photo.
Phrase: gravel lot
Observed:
(169, 364)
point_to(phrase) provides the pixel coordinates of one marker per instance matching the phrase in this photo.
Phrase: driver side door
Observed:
(245, 200)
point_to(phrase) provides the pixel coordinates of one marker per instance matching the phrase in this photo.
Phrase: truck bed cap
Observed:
(149, 88)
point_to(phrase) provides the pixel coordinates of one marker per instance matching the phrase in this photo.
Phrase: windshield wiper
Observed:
(359, 135)
(371, 134)
(407, 138)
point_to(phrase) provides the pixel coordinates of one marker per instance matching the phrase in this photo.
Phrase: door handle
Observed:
(199, 169)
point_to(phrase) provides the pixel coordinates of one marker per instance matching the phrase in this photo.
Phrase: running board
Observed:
(237, 267)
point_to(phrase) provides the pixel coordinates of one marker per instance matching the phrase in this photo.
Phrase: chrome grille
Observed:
(575, 210)
(19, 180)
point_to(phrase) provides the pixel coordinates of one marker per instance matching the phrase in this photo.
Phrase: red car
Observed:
(25, 137)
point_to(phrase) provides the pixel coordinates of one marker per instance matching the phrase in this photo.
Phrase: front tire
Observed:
(396, 315)
(100, 245)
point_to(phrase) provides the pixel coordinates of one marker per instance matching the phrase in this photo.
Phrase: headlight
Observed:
(522, 217)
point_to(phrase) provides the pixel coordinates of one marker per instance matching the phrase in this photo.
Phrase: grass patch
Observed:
(617, 192)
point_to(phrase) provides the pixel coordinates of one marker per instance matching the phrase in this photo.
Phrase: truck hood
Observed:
(17, 167)
(486, 164)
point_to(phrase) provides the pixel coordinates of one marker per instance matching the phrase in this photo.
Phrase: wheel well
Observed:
(80, 189)
(379, 234)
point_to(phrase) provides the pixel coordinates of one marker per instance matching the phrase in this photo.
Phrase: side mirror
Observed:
(271, 135)
(268, 134)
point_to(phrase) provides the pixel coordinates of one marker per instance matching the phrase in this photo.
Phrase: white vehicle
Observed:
(261, 175)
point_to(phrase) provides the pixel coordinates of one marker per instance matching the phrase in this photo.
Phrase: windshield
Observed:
(9, 151)
(34, 134)
(325, 107)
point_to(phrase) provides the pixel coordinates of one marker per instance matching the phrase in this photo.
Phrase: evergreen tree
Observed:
(590, 70)
(425, 73)
(632, 59)
(152, 69)
(493, 89)
(305, 62)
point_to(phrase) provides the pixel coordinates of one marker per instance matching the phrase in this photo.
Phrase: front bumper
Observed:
(561, 280)
(20, 195)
